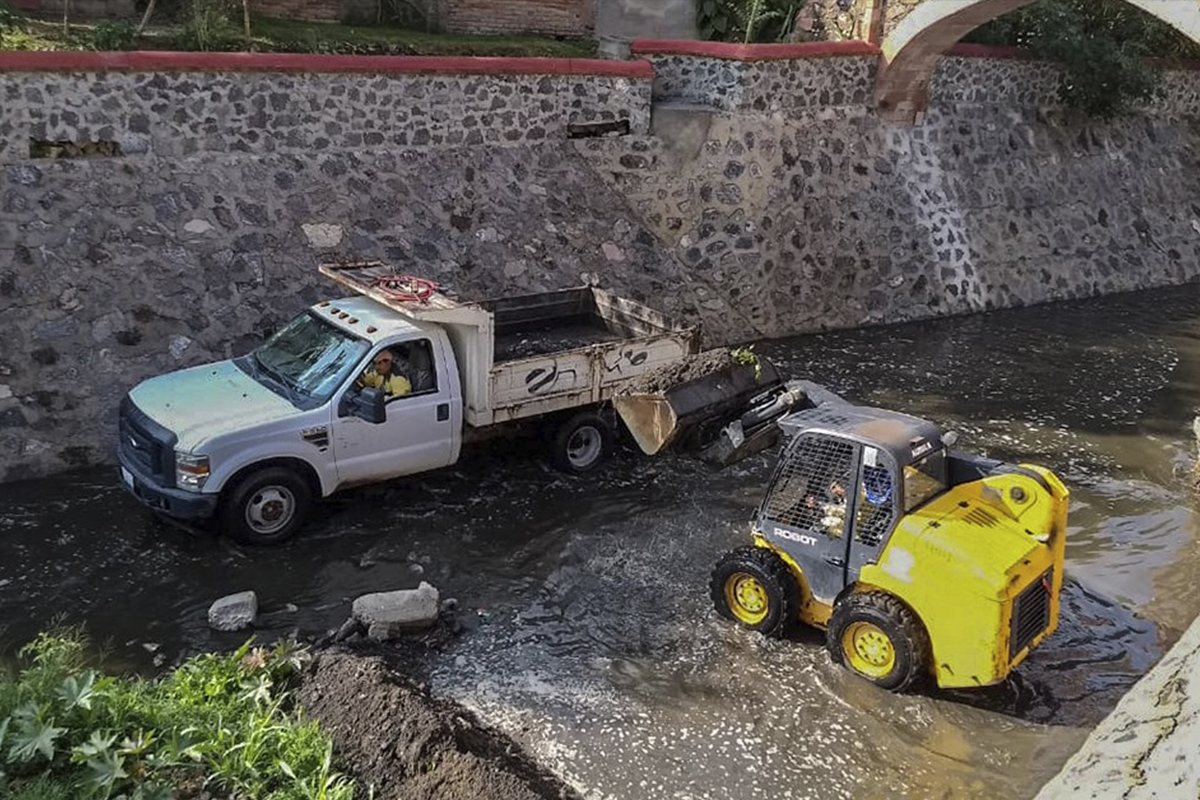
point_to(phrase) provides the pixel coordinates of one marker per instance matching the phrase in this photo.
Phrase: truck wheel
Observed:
(879, 638)
(753, 587)
(581, 443)
(266, 507)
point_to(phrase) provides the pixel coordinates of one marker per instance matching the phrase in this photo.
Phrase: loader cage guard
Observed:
(831, 506)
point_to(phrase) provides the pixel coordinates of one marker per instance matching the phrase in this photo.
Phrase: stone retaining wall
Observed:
(811, 213)
(795, 79)
(386, 103)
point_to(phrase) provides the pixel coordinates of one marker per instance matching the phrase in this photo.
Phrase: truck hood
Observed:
(199, 403)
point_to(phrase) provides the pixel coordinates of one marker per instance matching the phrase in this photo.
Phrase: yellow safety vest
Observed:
(392, 385)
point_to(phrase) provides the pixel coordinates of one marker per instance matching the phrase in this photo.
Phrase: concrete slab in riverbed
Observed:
(1146, 748)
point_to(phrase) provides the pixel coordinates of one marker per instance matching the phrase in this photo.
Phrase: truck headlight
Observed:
(190, 471)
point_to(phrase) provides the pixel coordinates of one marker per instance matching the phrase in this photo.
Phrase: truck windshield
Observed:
(309, 358)
(924, 479)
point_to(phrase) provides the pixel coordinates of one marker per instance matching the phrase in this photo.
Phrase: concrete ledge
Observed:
(153, 61)
(1147, 747)
(753, 52)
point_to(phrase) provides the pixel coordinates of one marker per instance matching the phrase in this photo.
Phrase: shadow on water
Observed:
(589, 632)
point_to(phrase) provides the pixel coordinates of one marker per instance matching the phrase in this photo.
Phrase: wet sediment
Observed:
(400, 743)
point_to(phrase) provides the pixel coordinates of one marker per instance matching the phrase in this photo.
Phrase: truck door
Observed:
(419, 431)
(808, 509)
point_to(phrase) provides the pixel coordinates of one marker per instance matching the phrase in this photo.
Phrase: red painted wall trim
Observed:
(970, 50)
(752, 52)
(153, 61)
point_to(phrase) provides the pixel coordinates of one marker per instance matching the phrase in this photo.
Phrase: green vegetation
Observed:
(1103, 46)
(281, 35)
(219, 722)
(747, 357)
(748, 21)
(10, 22)
(215, 25)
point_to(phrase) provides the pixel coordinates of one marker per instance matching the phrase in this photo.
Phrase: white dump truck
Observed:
(254, 440)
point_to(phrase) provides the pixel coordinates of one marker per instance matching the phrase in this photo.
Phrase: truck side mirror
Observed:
(365, 404)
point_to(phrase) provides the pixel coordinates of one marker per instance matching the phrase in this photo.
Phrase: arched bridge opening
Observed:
(911, 51)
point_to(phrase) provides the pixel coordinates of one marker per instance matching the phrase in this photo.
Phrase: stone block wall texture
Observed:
(836, 20)
(765, 86)
(804, 215)
(180, 114)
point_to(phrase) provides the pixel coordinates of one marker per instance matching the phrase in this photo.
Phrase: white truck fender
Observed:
(270, 452)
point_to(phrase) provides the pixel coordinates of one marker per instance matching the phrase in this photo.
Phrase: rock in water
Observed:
(233, 612)
(390, 614)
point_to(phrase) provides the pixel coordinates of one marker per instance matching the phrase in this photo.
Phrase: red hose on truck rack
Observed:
(406, 288)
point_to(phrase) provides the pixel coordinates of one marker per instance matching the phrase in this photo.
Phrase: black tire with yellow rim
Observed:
(879, 638)
(754, 588)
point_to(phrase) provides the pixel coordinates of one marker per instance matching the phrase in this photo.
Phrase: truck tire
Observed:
(754, 588)
(581, 443)
(266, 507)
(878, 638)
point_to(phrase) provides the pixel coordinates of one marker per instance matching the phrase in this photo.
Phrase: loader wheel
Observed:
(880, 639)
(753, 587)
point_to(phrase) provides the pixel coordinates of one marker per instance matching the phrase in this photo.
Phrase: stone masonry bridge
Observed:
(913, 35)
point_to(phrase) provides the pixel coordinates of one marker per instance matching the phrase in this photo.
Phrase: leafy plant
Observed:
(746, 356)
(112, 36)
(208, 25)
(1102, 47)
(747, 20)
(222, 719)
(10, 19)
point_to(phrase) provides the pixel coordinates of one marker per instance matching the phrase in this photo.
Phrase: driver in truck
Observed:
(382, 374)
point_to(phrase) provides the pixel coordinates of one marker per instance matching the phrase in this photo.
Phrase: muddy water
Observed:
(589, 634)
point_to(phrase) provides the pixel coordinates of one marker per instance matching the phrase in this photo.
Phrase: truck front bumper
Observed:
(173, 502)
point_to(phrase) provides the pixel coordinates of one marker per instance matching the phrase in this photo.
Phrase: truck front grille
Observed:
(145, 445)
(1031, 613)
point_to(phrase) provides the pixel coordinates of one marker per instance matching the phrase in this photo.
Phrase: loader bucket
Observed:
(686, 412)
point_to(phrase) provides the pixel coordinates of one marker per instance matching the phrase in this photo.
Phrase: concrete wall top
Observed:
(752, 52)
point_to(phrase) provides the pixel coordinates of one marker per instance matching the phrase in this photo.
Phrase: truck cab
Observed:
(292, 420)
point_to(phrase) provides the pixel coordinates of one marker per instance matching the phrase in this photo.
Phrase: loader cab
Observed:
(846, 477)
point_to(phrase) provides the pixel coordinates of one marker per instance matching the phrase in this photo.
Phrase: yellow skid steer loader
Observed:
(918, 562)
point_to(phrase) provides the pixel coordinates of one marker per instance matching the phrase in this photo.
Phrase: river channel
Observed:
(587, 631)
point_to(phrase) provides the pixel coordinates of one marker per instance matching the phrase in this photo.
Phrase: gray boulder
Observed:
(233, 612)
(387, 615)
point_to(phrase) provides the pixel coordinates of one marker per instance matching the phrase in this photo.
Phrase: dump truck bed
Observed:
(532, 354)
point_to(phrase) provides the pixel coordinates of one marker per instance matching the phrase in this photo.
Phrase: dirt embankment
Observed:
(391, 735)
